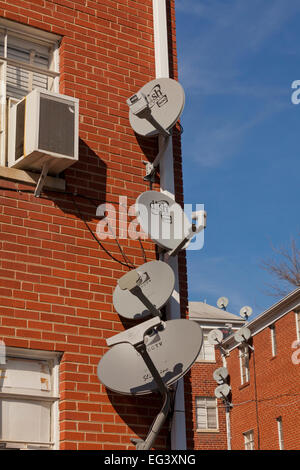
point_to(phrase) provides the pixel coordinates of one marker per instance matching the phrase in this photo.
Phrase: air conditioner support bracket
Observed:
(42, 179)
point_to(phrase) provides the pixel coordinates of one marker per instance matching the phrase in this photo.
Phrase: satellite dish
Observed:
(156, 280)
(173, 350)
(220, 375)
(156, 106)
(242, 335)
(222, 302)
(245, 312)
(222, 391)
(215, 337)
(162, 219)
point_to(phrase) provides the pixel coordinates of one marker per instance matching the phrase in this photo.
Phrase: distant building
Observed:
(265, 380)
(209, 425)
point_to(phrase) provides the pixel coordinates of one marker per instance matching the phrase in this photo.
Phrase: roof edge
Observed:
(279, 309)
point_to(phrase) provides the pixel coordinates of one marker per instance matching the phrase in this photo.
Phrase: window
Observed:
(28, 60)
(207, 352)
(297, 315)
(29, 400)
(273, 340)
(249, 440)
(206, 414)
(244, 364)
(280, 435)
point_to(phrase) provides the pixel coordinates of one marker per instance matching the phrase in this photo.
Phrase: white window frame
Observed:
(244, 364)
(208, 401)
(249, 439)
(53, 359)
(35, 36)
(204, 355)
(280, 433)
(273, 339)
(297, 319)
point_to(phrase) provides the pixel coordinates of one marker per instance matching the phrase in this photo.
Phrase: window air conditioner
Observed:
(43, 128)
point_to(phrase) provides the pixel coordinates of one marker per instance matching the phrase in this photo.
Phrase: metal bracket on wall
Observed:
(42, 179)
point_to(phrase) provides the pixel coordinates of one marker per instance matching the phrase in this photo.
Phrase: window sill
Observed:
(246, 384)
(207, 430)
(27, 177)
(204, 361)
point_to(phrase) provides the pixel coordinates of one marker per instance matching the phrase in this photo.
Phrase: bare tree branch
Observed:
(285, 268)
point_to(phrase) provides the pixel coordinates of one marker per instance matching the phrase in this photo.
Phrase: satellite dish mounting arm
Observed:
(135, 337)
(130, 281)
(166, 394)
(139, 106)
(151, 167)
(200, 218)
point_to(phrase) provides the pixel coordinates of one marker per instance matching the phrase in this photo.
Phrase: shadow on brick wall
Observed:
(87, 181)
(138, 413)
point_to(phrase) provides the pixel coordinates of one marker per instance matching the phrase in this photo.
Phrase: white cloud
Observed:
(228, 32)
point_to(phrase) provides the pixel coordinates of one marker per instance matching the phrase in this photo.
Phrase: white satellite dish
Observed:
(215, 337)
(242, 335)
(156, 281)
(156, 107)
(222, 302)
(222, 391)
(162, 219)
(220, 375)
(245, 312)
(173, 348)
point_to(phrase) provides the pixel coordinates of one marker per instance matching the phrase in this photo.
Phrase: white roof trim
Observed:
(268, 317)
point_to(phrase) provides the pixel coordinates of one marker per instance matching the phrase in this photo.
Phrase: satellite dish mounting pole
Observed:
(167, 183)
(165, 392)
(135, 336)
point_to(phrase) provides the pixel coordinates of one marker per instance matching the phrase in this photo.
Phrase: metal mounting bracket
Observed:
(131, 281)
(135, 337)
(151, 167)
(193, 230)
(42, 178)
(139, 106)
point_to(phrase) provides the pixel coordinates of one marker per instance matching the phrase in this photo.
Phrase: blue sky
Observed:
(241, 152)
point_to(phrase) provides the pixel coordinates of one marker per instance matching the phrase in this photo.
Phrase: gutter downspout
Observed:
(178, 430)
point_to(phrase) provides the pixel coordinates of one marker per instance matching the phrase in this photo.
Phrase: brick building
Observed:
(56, 281)
(209, 420)
(265, 380)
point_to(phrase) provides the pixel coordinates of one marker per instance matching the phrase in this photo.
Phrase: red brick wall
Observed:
(203, 385)
(278, 390)
(57, 283)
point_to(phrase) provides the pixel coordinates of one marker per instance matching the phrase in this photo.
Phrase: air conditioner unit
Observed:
(43, 128)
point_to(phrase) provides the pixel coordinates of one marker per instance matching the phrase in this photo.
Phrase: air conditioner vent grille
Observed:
(56, 126)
